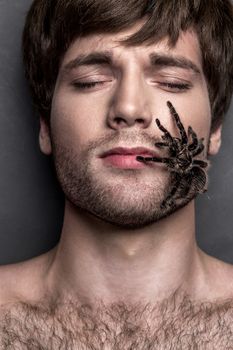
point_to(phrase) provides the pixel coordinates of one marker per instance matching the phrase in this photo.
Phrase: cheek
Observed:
(202, 124)
(197, 113)
(74, 120)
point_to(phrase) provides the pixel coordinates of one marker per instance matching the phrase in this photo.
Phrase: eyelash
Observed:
(181, 87)
(89, 85)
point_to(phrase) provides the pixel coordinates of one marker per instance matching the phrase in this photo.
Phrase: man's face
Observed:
(111, 99)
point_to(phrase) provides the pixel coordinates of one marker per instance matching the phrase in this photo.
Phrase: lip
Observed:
(125, 158)
(130, 151)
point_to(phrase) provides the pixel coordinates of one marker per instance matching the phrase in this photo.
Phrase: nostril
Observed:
(141, 121)
(119, 120)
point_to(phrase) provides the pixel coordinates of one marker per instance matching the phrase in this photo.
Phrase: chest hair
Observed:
(173, 324)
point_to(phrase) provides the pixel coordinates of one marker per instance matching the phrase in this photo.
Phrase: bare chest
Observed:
(118, 328)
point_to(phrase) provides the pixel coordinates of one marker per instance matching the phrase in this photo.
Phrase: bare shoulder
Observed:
(175, 323)
(22, 281)
(218, 277)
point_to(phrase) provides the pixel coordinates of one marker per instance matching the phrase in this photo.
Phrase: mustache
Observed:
(133, 139)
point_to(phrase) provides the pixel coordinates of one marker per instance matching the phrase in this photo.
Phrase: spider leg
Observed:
(153, 159)
(167, 134)
(169, 199)
(201, 163)
(185, 185)
(162, 144)
(199, 149)
(183, 134)
(169, 141)
(193, 135)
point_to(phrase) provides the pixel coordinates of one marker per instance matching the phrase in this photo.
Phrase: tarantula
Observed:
(187, 172)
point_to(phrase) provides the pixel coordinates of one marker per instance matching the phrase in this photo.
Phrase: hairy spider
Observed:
(188, 173)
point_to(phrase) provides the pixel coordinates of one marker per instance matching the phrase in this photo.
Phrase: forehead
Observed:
(187, 47)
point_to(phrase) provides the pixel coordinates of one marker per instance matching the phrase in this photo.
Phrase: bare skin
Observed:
(32, 320)
(107, 285)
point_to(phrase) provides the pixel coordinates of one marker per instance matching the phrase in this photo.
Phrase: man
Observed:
(108, 78)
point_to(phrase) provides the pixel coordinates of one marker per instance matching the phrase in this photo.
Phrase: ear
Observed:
(44, 137)
(215, 141)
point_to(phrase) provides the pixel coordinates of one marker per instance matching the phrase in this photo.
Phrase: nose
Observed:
(130, 104)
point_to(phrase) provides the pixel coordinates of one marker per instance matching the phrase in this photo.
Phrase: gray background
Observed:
(31, 203)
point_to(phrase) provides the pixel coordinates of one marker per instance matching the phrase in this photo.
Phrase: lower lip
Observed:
(127, 161)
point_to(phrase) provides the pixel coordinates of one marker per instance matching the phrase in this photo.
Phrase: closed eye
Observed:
(175, 86)
(166, 85)
(87, 85)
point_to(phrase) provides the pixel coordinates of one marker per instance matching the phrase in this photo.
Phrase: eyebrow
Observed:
(106, 57)
(93, 58)
(173, 61)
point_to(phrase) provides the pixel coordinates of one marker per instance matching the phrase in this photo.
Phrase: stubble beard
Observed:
(125, 204)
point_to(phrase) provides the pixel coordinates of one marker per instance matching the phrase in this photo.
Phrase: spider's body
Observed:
(187, 172)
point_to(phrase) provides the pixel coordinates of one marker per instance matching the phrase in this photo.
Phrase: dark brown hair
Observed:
(52, 25)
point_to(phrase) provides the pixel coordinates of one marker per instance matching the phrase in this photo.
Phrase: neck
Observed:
(95, 260)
